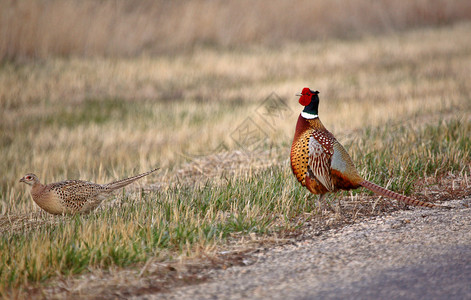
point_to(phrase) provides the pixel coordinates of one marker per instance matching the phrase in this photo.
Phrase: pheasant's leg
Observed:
(321, 202)
(321, 198)
(338, 208)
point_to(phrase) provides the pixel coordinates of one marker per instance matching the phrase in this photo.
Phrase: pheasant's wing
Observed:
(77, 192)
(320, 157)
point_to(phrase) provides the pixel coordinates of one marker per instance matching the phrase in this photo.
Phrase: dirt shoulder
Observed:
(418, 253)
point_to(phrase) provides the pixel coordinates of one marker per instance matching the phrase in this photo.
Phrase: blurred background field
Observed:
(103, 90)
(44, 28)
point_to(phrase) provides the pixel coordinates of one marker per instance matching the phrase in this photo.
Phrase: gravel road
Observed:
(412, 254)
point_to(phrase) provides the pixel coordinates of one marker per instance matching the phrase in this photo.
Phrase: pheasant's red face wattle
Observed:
(305, 98)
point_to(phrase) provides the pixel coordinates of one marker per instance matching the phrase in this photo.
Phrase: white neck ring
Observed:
(306, 115)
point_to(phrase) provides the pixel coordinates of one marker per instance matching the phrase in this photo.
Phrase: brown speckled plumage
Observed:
(328, 152)
(73, 196)
(321, 163)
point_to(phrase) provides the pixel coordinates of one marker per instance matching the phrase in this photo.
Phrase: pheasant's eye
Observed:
(29, 177)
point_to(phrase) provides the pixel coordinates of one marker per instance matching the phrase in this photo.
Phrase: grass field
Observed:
(43, 29)
(400, 103)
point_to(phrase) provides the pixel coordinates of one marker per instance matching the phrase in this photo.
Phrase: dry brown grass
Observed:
(100, 119)
(43, 28)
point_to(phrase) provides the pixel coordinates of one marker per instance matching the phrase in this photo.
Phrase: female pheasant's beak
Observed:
(22, 179)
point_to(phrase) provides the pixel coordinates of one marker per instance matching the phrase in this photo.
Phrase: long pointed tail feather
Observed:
(124, 182)
(387, 193)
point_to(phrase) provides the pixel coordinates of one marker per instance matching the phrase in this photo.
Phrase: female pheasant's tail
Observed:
(124, 182)
(385, 192)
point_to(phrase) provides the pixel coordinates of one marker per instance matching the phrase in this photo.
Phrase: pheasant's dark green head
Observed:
(310, 100)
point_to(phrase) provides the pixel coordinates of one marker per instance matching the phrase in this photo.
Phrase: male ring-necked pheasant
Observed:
(321, 163)
(73, 196)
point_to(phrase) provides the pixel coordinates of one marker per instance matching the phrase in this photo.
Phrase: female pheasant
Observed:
(73, 196)
(321, 163)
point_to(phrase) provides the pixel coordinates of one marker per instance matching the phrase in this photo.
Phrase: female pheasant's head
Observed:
(310, 100)
(30, 179)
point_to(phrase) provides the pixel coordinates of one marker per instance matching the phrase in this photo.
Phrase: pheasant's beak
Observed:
(299, 94)
(22, 180)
